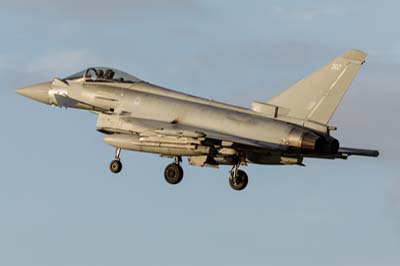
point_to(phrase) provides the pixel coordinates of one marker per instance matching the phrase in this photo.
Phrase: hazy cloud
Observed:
(60, 62)
(306, 14)
(91, 7)
(18, 71)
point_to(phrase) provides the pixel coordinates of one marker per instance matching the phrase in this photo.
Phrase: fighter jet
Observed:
(139, 116)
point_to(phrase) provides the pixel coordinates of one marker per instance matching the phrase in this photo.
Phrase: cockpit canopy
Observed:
(103, 74)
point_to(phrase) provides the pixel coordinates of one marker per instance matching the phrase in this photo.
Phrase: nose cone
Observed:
(38, 92)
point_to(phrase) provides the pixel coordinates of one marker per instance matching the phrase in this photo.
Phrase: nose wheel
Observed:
(173, 173)
(116, 165)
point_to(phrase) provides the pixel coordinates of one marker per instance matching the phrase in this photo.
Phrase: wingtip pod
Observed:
(355, 55)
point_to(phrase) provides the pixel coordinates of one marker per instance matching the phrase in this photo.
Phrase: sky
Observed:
(60, 205)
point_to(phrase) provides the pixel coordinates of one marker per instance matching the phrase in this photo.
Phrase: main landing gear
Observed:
(238, 178)
(173, 173)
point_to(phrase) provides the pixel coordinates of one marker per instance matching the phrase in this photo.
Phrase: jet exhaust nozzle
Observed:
(311, 142)
(329, 146)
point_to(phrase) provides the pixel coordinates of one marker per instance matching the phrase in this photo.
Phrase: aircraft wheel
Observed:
(239, 182)
(116, 166)
(173, 173)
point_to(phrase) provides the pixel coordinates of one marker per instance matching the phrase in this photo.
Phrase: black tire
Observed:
(115, 166)
(173, 173)
(240, 181)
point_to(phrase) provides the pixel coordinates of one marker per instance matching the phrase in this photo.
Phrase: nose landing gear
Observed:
(116, 165)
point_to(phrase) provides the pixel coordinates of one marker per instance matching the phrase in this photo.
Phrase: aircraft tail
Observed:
(316, 97)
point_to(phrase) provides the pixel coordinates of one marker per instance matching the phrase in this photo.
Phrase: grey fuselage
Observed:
(146, 101)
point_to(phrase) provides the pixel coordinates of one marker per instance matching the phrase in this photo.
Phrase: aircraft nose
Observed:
(38, 92)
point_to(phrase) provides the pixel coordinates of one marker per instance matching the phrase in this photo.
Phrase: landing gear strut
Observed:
(238, 178)
(116, 165)
(173, 173)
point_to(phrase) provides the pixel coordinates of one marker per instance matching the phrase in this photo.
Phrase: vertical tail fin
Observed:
(316, 97)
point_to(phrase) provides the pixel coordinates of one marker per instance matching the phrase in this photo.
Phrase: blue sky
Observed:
(60, 205)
